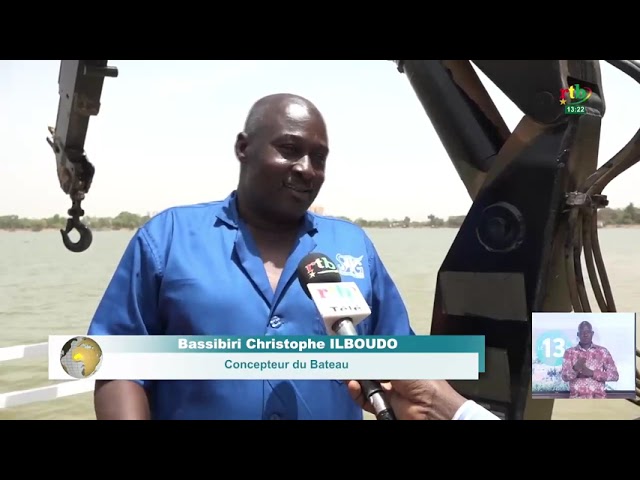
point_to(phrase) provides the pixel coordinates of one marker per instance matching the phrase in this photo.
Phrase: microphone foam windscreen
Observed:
(317, 268)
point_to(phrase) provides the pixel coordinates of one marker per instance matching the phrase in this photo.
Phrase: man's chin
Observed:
(292, 207)
(298, 196)
(289, 212)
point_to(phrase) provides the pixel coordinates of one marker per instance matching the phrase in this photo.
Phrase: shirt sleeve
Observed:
(129, 305)
(470, 410)
(609, 371)
(388, 312)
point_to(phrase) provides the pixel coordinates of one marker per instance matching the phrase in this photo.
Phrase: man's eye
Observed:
(289, 151)
(319, 157)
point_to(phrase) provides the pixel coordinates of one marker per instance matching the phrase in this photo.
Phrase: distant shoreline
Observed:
(372, 227)
(628, 217)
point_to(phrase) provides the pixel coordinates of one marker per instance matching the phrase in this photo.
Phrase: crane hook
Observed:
(86, 237)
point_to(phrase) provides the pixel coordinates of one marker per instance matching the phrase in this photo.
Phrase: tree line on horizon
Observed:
(629, 215)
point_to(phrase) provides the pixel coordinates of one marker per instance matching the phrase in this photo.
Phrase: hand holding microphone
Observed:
(416, 399)
(342, 307)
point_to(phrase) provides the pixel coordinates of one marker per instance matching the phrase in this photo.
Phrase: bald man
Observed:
(587, 367)
(229, 268)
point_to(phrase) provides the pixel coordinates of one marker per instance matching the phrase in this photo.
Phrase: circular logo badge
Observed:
(550, 347)
(81, 357)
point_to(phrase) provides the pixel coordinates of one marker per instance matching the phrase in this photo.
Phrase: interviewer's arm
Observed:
(443, 402)
(424, 400)
(129, 307)
(470, 410)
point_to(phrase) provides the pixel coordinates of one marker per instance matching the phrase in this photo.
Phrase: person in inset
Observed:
(586, 367)
(229, 268)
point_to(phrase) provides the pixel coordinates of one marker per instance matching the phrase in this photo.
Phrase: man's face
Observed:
(585, 334)
(285, 161)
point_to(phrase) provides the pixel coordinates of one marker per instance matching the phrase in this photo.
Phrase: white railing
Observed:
(40, 394)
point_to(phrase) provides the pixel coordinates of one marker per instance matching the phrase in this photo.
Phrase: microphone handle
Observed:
(373, 392)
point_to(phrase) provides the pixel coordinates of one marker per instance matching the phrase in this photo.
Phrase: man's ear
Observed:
(241, 147)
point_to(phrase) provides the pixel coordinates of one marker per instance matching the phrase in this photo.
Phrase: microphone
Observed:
(342, 307)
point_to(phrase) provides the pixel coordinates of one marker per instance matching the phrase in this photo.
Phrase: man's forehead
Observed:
(293, 135)
(298, 114)
(297, 122)
(297, 111)
(284, 116)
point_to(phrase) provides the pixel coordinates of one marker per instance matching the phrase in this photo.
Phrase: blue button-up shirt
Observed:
(195, 270)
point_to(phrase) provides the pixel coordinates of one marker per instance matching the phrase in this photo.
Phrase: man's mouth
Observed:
(298, 188)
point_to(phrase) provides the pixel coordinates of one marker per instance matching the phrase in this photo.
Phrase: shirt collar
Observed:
(227, 212)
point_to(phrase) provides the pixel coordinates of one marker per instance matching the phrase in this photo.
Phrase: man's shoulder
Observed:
(600, 348)
(189, 212)
(338, 224)
(572, 350)
(594, 348)
(350, 239)
(192, 216)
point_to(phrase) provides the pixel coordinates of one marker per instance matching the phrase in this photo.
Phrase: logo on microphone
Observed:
(339, 300)
(319, 266)
(338, 291)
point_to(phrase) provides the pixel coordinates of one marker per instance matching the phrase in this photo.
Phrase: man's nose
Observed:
(305, 168)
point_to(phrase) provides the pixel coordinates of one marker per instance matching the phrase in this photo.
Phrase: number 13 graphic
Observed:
(554, 347)
(551, 346)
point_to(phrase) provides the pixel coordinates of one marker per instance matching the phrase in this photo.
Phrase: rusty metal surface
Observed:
(535, 195)
(80, 88)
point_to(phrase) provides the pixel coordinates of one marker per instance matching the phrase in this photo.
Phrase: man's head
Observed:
(585, 333)
(282, 153)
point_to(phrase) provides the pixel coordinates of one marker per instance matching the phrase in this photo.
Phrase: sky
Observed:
(166, 129)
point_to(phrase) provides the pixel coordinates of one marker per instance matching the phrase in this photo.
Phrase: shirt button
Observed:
(275, 322)
(275, 416)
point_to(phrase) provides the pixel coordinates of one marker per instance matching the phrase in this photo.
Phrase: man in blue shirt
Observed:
(229, 268)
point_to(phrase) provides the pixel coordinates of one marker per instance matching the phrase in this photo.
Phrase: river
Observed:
(45, 290)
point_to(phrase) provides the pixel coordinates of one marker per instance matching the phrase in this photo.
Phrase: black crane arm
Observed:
(80, 88)
(535, 194)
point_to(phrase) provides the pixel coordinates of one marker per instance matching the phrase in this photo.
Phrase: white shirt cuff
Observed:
(470, 410)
